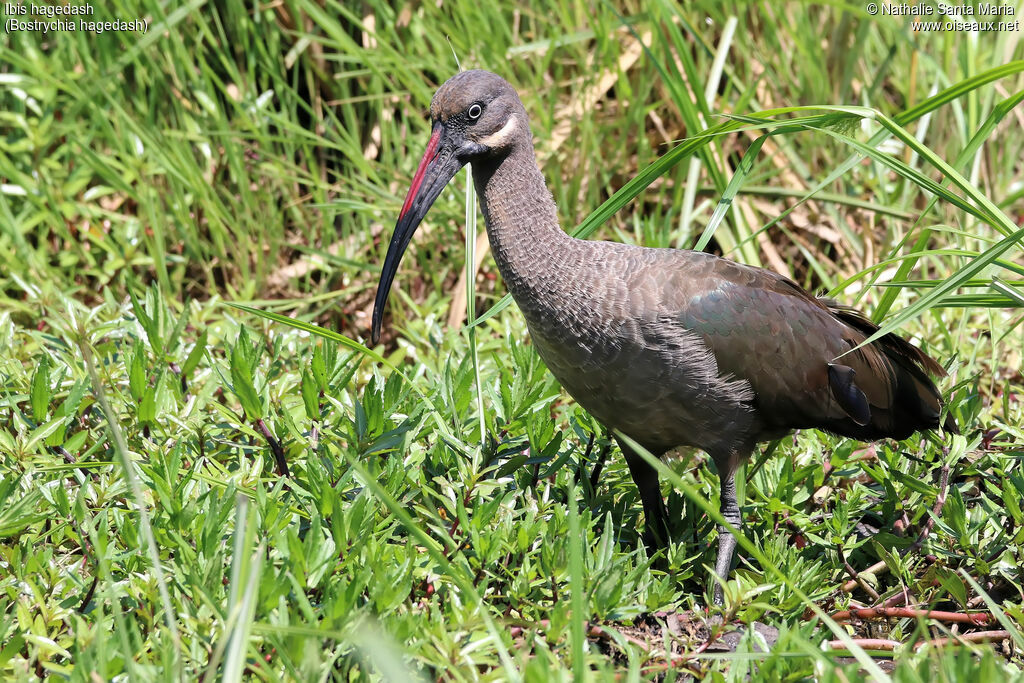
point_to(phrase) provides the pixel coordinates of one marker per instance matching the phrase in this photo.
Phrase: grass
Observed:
(438, 518)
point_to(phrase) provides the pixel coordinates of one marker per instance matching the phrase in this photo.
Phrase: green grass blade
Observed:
(735, 183)
(576, 590)
(966, 154)
(471, 229)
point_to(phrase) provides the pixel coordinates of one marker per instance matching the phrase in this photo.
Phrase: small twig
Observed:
(901, 598)
(70, 459)
(866, 644)
(976, 637)
(87, 598)
(976, 601)
(876, 568)
(891, 645)
(976, 618)
(856, 577)
(940, 501)
(275, 447)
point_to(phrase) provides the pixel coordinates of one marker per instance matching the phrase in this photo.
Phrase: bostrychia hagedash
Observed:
(671, 347)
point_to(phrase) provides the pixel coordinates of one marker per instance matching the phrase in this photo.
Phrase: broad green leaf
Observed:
(41, 390)
(194, 356)
(137, 378)
(243, 380)
(310, 395)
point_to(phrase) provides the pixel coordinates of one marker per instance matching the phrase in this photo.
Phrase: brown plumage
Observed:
(670, 347)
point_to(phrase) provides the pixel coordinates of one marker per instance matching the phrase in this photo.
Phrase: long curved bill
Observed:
(438, 166)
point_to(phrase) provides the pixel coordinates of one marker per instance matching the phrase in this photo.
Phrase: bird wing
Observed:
(796, 350)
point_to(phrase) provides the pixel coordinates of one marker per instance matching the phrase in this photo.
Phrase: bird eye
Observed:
(475, 111)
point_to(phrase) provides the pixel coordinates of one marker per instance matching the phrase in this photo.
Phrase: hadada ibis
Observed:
(670, 347)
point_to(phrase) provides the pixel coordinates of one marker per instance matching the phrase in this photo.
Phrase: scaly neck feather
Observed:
(528, 244)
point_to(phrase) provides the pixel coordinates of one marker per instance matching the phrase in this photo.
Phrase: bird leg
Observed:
(645, 477)
(730, 510)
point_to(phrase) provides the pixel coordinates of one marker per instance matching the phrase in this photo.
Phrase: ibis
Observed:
(669, 347)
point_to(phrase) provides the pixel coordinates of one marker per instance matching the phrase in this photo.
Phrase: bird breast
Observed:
(630, 362)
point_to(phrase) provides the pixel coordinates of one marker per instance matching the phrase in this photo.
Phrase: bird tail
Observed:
(915, 402)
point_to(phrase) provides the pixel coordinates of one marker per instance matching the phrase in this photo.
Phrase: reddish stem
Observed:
(940, 502)
(976, 618)
(976, 637)
(866, 644)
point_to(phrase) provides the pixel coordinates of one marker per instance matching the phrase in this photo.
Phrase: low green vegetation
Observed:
(205, 473)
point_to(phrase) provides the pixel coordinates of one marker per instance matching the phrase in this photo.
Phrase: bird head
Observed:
(476, 115)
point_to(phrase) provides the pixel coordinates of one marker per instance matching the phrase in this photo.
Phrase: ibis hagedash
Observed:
(670, 347)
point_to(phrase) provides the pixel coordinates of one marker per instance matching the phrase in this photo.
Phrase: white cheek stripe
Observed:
(501, 137)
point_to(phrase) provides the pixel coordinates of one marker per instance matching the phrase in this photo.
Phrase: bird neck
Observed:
(522, 219)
